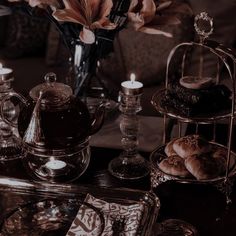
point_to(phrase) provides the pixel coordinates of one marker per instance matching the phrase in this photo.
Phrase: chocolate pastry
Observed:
(190, 102)
(196, 96)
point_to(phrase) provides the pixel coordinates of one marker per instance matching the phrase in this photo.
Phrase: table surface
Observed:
(203, 206)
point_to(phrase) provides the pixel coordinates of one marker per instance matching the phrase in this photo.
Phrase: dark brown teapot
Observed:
(53, 118)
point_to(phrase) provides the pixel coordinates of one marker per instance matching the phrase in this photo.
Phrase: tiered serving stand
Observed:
(225, 57)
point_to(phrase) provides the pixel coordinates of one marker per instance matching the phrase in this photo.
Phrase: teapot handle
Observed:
(8, 97)
(98, 119)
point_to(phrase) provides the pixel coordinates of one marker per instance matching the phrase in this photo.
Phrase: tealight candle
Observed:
(132, 87)
(55, 164)
(5, 73)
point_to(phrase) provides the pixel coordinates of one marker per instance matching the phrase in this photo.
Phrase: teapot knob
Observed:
(50, 77)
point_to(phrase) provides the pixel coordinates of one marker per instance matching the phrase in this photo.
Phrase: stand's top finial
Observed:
(203, 25)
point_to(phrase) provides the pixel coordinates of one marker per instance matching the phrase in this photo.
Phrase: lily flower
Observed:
(40, 3)
(143, 16)
(54, 4)
(92, 14)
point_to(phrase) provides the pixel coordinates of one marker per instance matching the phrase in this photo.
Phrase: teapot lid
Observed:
(54, 93)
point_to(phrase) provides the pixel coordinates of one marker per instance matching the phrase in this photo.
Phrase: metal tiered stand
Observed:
(204, 27)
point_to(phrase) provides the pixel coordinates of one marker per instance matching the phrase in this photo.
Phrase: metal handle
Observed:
(98, 119)
(8, 97)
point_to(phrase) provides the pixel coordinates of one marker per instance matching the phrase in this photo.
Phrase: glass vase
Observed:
(84, 74)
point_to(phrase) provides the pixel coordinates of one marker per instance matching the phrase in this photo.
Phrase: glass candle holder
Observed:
(130, 164)
(10, 143)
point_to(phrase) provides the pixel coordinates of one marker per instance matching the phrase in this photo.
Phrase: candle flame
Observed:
(132, 77)
(1, 66)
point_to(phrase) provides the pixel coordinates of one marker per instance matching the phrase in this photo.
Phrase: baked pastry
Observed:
(200, 97)
(191, 145)
(191, 102)
(169, 151)
(220, 153)
(196, 82)
(203, 166)
(174, 165)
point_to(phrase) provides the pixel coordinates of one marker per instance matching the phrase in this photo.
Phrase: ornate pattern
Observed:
(158, 177)
(203, 33)
(87, 221)
(226, 187)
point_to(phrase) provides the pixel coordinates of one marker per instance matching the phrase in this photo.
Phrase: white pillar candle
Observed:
(132, 87)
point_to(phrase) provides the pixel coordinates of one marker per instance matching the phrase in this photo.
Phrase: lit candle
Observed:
(5, 73)
(55, 164)
(132, 87)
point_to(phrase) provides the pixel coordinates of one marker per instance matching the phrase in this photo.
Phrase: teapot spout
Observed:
(98, 119)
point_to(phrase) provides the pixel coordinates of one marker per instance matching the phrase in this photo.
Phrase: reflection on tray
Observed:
(36, 207)
(47, 217)
(159, 155)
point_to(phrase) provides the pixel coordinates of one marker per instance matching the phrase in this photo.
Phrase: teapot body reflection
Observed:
(55, 127)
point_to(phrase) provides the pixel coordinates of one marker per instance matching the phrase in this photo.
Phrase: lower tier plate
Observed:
(158, 155)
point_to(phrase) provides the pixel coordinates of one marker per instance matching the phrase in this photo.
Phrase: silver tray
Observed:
(171, 112)
(16, 193)
(159, 176)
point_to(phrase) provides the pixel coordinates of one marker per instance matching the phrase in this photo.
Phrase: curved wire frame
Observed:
(223, 53)
(226, 57)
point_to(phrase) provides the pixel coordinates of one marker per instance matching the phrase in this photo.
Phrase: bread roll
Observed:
(169, 151)
(196, 82)
(191, 145)
(202, 167)
(174, 165)
(220, 154)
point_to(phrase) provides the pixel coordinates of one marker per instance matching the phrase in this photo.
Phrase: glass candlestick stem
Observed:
(130, 164)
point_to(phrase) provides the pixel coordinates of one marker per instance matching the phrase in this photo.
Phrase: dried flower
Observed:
(143, 16)
(40, 3)
(92, 14)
